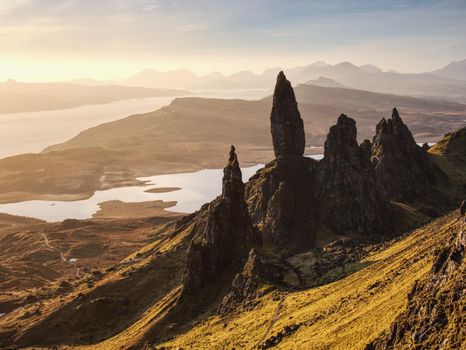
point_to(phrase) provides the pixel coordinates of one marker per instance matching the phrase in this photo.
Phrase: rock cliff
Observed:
(223, 232)
(347, 189)
(402, 167)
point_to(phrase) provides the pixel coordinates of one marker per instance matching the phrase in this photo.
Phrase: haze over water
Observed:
(33, 131)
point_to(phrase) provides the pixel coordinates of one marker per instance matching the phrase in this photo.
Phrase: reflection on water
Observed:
(33, 131)
(196, 188)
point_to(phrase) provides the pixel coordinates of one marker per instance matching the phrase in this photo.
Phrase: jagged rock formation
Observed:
(366, 146)
(224, 233)
(245, 286)
(347, 191)
(280, 196)
(435, 317)
(402, 167)
(286, 123)
(280, 202)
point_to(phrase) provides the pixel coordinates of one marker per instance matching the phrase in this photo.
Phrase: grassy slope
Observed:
(346, 314)
(448, 154)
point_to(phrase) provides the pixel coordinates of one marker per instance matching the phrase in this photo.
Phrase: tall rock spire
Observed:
(347, 188)
(280, 196)
(286, 123)
(223, 234)
(402, 167)
(232, 183)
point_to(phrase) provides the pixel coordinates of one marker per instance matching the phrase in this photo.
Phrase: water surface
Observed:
(31, 132)
(196, 188)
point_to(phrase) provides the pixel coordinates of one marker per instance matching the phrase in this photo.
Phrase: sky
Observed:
(50, 40)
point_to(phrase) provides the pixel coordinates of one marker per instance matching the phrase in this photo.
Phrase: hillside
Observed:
(18, 97)
(346, 314)
(306, 254)
(171, 139)
(325, 82)
(453, 70)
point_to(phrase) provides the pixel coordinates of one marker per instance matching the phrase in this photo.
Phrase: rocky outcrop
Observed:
(285, 120)
(281, 204)
(347, 191)
(435, 317)
(246, 285)
(280, 196)
(400, 164)
(223, 232)
(366, 147)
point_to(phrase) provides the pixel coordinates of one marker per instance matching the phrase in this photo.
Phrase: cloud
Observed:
(294, 30)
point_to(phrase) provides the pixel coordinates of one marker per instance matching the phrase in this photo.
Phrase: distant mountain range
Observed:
(454, 70)
(446, 83)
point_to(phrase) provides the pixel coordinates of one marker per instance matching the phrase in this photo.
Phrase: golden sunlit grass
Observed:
(346, 314)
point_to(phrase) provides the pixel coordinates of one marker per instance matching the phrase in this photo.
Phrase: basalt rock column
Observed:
(223, 233)
(285, 121)
(403, 168)
(280, 196)
(348, 193)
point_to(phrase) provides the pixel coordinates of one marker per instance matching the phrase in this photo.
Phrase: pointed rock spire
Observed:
(347, 188)
(400, 164)
(232, 183)
(223, 232)
(341, 137)
(286, 123)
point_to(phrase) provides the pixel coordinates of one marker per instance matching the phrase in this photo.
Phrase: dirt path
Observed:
(274, 319)
(62, 257)
(47, 242)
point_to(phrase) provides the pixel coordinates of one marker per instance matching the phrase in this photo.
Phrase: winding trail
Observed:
(62, 257)
(274, 319)
(47, 242)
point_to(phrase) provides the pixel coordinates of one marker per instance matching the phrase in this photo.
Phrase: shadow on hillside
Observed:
(337, 272)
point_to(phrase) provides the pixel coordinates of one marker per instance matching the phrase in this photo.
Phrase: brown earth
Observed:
(36, 253)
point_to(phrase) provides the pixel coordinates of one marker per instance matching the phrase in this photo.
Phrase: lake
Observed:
(196, 188)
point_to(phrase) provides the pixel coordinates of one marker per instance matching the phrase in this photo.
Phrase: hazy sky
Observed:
(106, 39)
